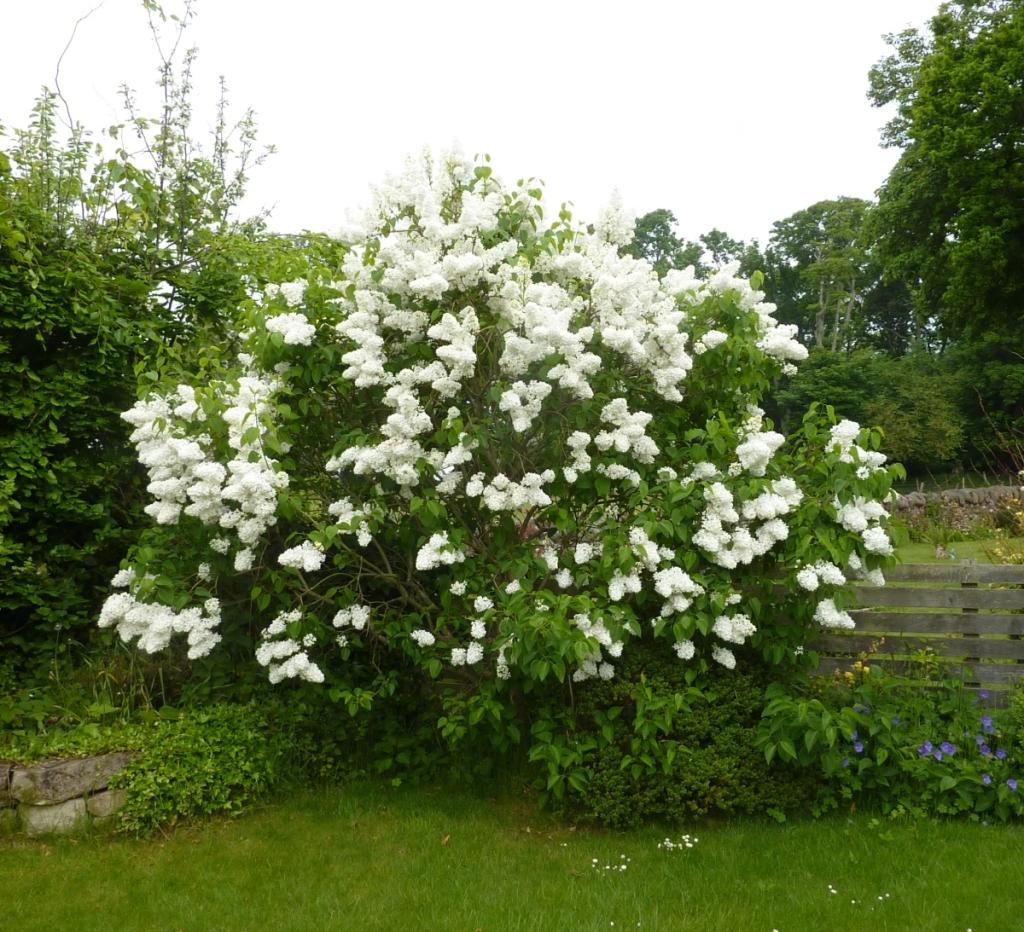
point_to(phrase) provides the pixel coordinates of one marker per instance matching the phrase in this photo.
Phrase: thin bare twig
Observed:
(60, 61)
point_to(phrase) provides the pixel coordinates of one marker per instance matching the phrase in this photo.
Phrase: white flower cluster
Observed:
(740, 546)
(843, 437)
(709, 341)
(284, 657)
(438, 551)
(864, 517)
(757, 447)
(577, 442)
(307, 556)
(629, 434)
(523, 402)
(873, 577)
(294, 328)
(352, 520)
(678, 590)
(828, 616)
(503, 494)
(734, 629)
(292, 292)
(809, 577)
(595, 663)
(154, 625)
(355, 616)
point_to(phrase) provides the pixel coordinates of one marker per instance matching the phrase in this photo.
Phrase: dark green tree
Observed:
(950, 219)
(655, 240)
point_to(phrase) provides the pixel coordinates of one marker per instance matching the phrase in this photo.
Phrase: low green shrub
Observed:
(205, 762)
(650, 746)
(187, 764)
(905, 744)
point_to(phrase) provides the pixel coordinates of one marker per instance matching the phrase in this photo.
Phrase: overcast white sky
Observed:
(732, 114)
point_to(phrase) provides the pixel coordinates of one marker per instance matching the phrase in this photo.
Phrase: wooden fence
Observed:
(971, 616)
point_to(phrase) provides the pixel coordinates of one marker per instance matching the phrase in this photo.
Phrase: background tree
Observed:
(950, 219)
(655, 240)
(823, 262)
(110, 266)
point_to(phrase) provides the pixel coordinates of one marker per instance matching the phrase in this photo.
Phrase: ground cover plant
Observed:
(369, 858)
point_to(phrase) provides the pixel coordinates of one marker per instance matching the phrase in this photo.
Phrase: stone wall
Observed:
(60, 796)
(989, 495)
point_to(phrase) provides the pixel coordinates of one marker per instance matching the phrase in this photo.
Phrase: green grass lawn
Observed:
(409, 859)
(965, 550)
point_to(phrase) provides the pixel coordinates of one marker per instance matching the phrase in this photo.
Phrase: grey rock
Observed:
(105, 804)
(60, 819)
(56, 781)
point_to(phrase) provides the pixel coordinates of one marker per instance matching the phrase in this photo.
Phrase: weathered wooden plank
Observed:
(888, 645)
(937, 622)
(984, 674)
(892, 596)
(956, 573)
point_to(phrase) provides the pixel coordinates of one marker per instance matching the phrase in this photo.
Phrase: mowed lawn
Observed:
(369, 857)
(973, 550)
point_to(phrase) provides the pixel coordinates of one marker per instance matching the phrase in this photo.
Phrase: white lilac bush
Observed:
(495, 448)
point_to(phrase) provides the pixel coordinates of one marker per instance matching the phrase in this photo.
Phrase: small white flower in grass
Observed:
(513, 587)
(564, 579)
(458, 656)
(203, 571)
(474, 653)
(481, 603)
(457, 588)
(422, 638)
(478, 630)
(220, 545)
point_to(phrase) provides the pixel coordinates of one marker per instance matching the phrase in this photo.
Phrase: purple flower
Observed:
(846, 762)
(947, 748)
(979, 740)
(1012, 784)
(937, 755)
(858, 746)
(895, 719)
(986, 751)
(984, 694)
(986, 724)
(986, 778)
(925, 749)
(1000, 753)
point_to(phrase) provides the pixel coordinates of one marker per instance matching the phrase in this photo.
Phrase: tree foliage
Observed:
(950, 218)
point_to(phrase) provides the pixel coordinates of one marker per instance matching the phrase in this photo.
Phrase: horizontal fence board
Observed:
(891, 597)
(938, 622)
(956, 573)
(984, 674)
(943, 647)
